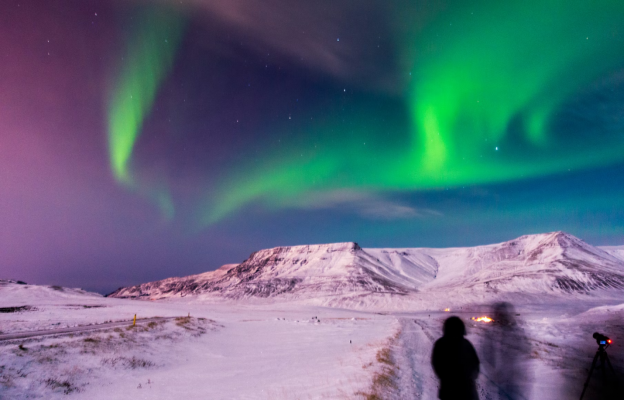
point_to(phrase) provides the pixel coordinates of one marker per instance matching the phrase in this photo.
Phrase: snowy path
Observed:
(76, 329)
(415, 379)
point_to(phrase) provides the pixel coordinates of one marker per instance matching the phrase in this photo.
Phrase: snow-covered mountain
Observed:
(555, 263)
(316, 270)
(551, 262)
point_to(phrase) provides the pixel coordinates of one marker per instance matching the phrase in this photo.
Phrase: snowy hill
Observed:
(554, 263)
(16, 293)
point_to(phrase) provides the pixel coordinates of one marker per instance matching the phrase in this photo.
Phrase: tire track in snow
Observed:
(416, 379)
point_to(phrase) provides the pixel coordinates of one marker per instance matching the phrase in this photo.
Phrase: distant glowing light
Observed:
(482, 319)
(447, 309)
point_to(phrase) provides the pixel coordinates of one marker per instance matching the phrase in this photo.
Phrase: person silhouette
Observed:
(506, 353)
(455, 362)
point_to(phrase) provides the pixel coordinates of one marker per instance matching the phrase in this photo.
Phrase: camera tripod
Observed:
(601, 354)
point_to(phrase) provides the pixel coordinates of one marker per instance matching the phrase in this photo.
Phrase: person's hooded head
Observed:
(454, 328)
(504, 314)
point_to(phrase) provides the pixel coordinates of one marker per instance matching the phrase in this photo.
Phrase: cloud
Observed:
(319, 37)
(365, 204)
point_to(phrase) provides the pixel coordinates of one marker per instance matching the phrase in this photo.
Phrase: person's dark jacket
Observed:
(456, 364)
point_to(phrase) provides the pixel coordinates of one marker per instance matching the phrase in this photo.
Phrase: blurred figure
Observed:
(455, 362)
(506, 351)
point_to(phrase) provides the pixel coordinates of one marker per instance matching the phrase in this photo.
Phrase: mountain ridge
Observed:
(554, 262)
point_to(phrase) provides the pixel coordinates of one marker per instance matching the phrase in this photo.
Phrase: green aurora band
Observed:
(148, 58)
(483, 79)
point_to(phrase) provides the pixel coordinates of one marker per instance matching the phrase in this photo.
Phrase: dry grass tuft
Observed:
(128, 363)
(384, 380)
(384, 356)
(66, 386)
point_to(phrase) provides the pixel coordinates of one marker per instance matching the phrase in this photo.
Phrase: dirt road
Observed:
(75, 329)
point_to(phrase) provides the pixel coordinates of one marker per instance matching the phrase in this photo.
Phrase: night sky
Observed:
(146, 139)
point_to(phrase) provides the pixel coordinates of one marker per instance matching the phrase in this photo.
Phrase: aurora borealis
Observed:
(473, 94)
(147, 139)
(148, 58)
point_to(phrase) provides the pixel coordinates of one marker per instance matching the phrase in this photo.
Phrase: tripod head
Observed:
(602, 340)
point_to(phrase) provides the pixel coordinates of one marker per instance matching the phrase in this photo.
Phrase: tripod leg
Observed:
(615, 383)
(609, 362)
(589, 375)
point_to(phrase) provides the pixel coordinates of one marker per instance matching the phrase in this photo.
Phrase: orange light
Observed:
(609, 341)
(447, 309)
(483, 319)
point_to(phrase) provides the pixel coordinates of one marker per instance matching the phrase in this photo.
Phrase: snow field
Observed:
(52, 367)
(288, 350)
(265, 358)
(223, 351)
